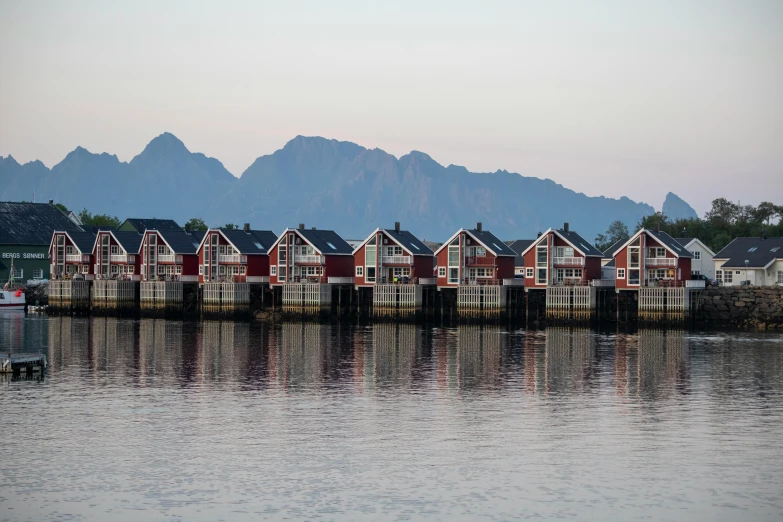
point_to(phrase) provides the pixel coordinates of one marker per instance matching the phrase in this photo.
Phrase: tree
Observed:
(617, 231)
(766, 212)
(62, 208)
(99, 220)
(230, 226)
(196, 224)
(723, 212)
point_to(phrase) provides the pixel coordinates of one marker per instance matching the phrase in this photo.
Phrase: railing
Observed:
(480, 260)
(77, 258)
(569, 281)
(696, 283)
(169, 258)
(660, 261)
(514, 282)
(570, 261)
(121, 258)
(323, 279)
(340, 280)
(482, 282)
(428, 280)
(312, 259)
(232, 258)
(396, 260)
(602, 283)
(663, 282)
(257, 279)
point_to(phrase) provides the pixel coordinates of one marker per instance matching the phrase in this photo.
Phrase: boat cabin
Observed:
(302, 255)
(474, 257)
(561, 257)
(235, 255)
(393, 256)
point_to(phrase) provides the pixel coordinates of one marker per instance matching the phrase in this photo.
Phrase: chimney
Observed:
(565, 227)
(247, 227)
(301, 226)
(312, 228)
(478, 226)
(396, 226)
(187, 228)
(539, 235)
(51, 202)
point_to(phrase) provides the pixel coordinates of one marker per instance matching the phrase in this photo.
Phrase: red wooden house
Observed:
(561, 257)
(116, 255)
(70, 254)
(170, 255)
(315, 256)
(651, 258)
(474, 257)
(393, 256)
(236, 255)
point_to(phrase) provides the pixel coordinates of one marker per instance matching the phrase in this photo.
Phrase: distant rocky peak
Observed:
(164, 145)
(676, 208)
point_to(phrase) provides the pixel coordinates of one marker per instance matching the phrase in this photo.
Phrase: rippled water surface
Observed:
(158, 420)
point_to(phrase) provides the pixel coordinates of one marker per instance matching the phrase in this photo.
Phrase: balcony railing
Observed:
(482, 281)
(309, 259)
(602, 283)
(660, 261)
(664, 282)
(480, 261)
(77, 258)
(696, 283)
(169, 258)
(232, 258)
(514, 282)
(121, 258)
(570, 261)
(396, 260)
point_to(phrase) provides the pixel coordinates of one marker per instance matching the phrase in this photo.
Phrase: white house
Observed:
(701, 256)
(755, 259)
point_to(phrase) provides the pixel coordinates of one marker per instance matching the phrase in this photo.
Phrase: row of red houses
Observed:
(470, 257)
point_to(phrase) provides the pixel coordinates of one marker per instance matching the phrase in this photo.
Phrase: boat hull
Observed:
(10, 301)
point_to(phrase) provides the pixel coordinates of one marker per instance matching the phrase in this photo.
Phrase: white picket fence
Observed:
(226, 295)
(657, 301)
(386, 298)
(69, 291)
(481, 298)
(160, 294)
(570, 297)
(109, 292)
(307, 295)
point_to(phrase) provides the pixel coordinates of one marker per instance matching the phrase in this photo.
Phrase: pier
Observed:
(18, 363)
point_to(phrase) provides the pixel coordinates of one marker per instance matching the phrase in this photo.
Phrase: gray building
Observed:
(25, 234)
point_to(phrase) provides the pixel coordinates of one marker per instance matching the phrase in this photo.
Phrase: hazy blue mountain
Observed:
(676, 208)
(319, 182)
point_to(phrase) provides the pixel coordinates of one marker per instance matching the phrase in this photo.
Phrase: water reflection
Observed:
(651, 363)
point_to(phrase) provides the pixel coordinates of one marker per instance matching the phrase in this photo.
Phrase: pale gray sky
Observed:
(616, 98)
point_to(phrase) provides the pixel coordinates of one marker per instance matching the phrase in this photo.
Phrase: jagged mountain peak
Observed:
(674, 207)
(164, 144)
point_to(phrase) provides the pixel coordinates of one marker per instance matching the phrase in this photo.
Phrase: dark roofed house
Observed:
(241, 255)
(25, 235)
(651, 258)
(561, 257)
(519, 246)
(701, 256)
(391, 255)
(71, 253)
(310, 255)
(475, 257)
(116, 255)
(755, 259)
(139, 225)
(170, 254)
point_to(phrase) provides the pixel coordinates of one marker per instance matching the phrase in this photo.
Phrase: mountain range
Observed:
(320, 182)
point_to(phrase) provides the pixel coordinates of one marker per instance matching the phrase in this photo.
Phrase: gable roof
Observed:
(130, 241)
(181, 242)
(686, 242)
(32, 223)
(84, 241)
(486, 239)
(519, 246)
(579, 243)
(609, 252)
(327, 242)
(142, 224)
(661, 237)
(765, 252)
(403, 238)
(250, 242)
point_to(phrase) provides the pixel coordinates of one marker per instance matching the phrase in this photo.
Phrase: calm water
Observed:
(155, 420)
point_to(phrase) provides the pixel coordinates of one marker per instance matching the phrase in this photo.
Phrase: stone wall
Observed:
(742, 306)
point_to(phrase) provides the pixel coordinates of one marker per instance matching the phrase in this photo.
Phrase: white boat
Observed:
(12, 294)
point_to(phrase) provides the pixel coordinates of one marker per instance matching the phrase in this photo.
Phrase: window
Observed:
(161, 250)
(657, 252)
(243, 270)
(273, 270)
(394, 251)
(774, 249)
(453, 275)
(115, 269)
(85, 269)
(161, 269)
(453, 255)
(728, 277)
(331, 246)
(565, 252)
(542, 264)
(200, 269)
(18, 273)
(633, 276)
(222, 269)
(737, 272)
(178, 271)
(529, 273)
(359, 271)
(753, 249)
(441, 271)
(115, 250)
(37, 273)
(621, 273)
(401, 272)
(780, 277)
(370, 274)
(222, 249)
(68, 250)
(695, 272)
(696, 255)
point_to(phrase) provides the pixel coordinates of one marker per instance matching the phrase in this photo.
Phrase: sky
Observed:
(616, 98)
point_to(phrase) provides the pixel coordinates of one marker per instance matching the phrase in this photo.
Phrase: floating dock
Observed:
(15, 363)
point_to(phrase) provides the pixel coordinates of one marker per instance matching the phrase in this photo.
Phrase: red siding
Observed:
(505, 267)
(592, 268)
(423, 266)
(358, 260)
(339, 266)
(682, 267)
(530, 261)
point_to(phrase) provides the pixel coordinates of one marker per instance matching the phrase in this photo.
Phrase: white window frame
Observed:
(621, 273)
(85, 269)
(529, 273)
(115, 269)
(18, 272)
(37, 273)
(780, 277)
(696, 255)
(273, 270)
(441, 271)
(115, 250)
(178, 270)
(201, 270)
(359, 271)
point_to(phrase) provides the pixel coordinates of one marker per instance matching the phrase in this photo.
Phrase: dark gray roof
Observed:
(667, 240)
(142, 224)
(252, 242)
(326, 241)
(409, 242)
(609, 252)
(519, 246)
(741, 249)
(130, 241)
(32, 223)
(84, 241)
(493, 243)
(182, 242)
(684, 240)
(581, 243)
(610, 263)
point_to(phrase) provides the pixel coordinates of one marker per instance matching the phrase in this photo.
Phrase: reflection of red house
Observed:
(561, 257)
(116, 255)
(310, 256)
(71, 253)
(393, 256)
(239, 255)
(474, 257)
(651, 258)
(170, 255)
